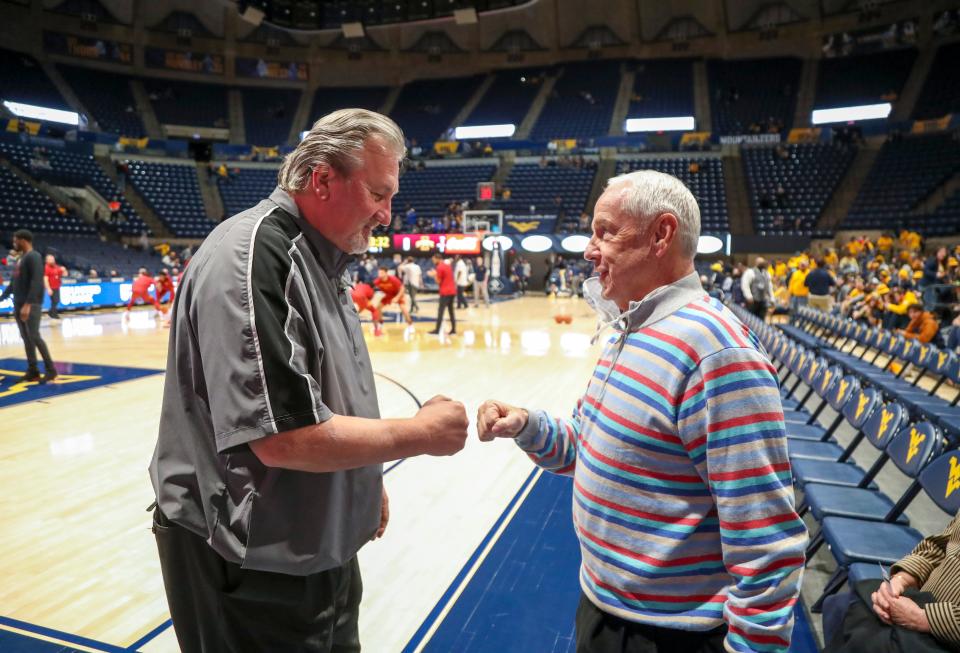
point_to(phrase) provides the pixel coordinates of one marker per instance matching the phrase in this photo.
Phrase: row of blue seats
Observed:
(914, 428)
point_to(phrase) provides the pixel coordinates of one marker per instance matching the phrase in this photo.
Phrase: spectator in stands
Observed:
(757, 288)
(27, 290)
(917, 611)
(114, 207)
(691, 583)
(443, 274)
(797, 285)
(584, 223)
(820, 283)
(780, 196)
(870, 311)
(923, 325)
(895, 307)
(52, 280)
(122, 170)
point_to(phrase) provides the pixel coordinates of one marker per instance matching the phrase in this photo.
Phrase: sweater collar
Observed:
(662, 302)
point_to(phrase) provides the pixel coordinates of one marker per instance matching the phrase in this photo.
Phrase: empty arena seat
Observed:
(581, 104)
(746, 92)
(108, 97)
(24, 207)
(546, 191)
(941, 90)
(508, 99)
(706, 185)
(906, 171)
(862, 79)
(188, 103)
(268, 114)
(661, 89)
(425, 109)
(809, 175)
(23, 80)
(173, 192)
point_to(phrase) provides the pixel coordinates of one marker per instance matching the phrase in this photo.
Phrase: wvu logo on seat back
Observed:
(885, 418)
(826, 382)
(941, 358)
(842, 388)
(953, 481)
(861, 404)
(916, 438)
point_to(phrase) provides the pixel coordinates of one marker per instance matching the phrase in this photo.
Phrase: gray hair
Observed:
(337, 140)
(645, 194)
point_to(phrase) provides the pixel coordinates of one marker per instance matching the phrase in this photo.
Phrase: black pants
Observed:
(54, 301)
(30, 332)
(446, 302)
(218, 607)
(462, 296)
(759, 309)
(600, 632)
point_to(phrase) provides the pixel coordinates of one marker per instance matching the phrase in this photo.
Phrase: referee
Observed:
(268, 465)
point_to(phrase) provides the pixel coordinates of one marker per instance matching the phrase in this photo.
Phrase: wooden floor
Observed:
(77, 559)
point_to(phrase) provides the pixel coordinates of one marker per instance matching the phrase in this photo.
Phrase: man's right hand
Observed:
(444, 424)
(496, 419)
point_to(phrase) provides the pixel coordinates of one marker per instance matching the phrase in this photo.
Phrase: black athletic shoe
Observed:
(31, 376)
(49, 376)
(433, 333)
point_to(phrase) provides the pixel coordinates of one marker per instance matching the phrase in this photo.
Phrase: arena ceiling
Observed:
(630, 21)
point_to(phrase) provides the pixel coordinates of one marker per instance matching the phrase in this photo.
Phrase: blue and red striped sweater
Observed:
(683, 500)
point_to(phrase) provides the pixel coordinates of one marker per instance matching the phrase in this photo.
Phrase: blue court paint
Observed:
(72, 378)
(524, 595)
(10, 641)
(434, 615)
(150, 636)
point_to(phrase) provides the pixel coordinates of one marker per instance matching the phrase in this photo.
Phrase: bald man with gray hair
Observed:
(682, 494)
(269, 461)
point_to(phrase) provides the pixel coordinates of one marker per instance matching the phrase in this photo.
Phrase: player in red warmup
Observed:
(390, 291)
(362, 295)
(164, 286)
(141, 291)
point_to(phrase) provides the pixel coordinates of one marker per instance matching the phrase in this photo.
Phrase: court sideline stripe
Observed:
(150, 636)
(14, 624)
(439, 612)
(143, 641)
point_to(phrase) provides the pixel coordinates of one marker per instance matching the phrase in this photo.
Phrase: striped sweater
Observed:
(683, 500)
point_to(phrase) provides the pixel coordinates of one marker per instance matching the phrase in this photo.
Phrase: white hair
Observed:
(646, 194)
(337, 140)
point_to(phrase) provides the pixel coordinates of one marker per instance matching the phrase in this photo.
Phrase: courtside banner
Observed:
(94, 294)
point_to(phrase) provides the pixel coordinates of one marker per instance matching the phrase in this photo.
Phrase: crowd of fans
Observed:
(888, 282)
